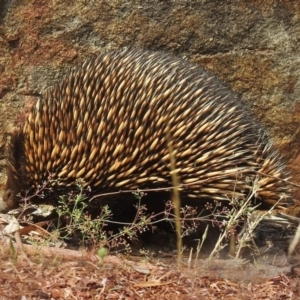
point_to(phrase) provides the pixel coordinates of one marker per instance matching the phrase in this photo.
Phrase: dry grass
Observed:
(36, 272)
(50, 273)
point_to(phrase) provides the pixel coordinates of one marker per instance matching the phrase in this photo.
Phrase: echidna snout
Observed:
(107, 123)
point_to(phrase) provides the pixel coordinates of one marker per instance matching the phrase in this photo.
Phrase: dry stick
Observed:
(251, 228)
(200, 244)
(179, 186)
(294, 242)
(231, 221)
(175, 196)
(279, 179)
(200, 182)
(20, 247)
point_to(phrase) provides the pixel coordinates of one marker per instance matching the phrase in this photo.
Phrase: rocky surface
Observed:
(253, 46)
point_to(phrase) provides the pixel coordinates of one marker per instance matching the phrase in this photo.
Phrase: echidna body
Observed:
(108, 123)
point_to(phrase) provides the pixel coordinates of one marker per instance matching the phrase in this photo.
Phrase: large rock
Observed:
(253, 46)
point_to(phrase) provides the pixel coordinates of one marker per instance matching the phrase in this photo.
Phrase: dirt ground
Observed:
(32, 272)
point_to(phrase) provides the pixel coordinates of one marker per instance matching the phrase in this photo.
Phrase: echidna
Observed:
(107, 123)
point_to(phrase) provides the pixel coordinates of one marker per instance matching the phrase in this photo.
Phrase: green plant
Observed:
(72, 213)
(74, 220)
